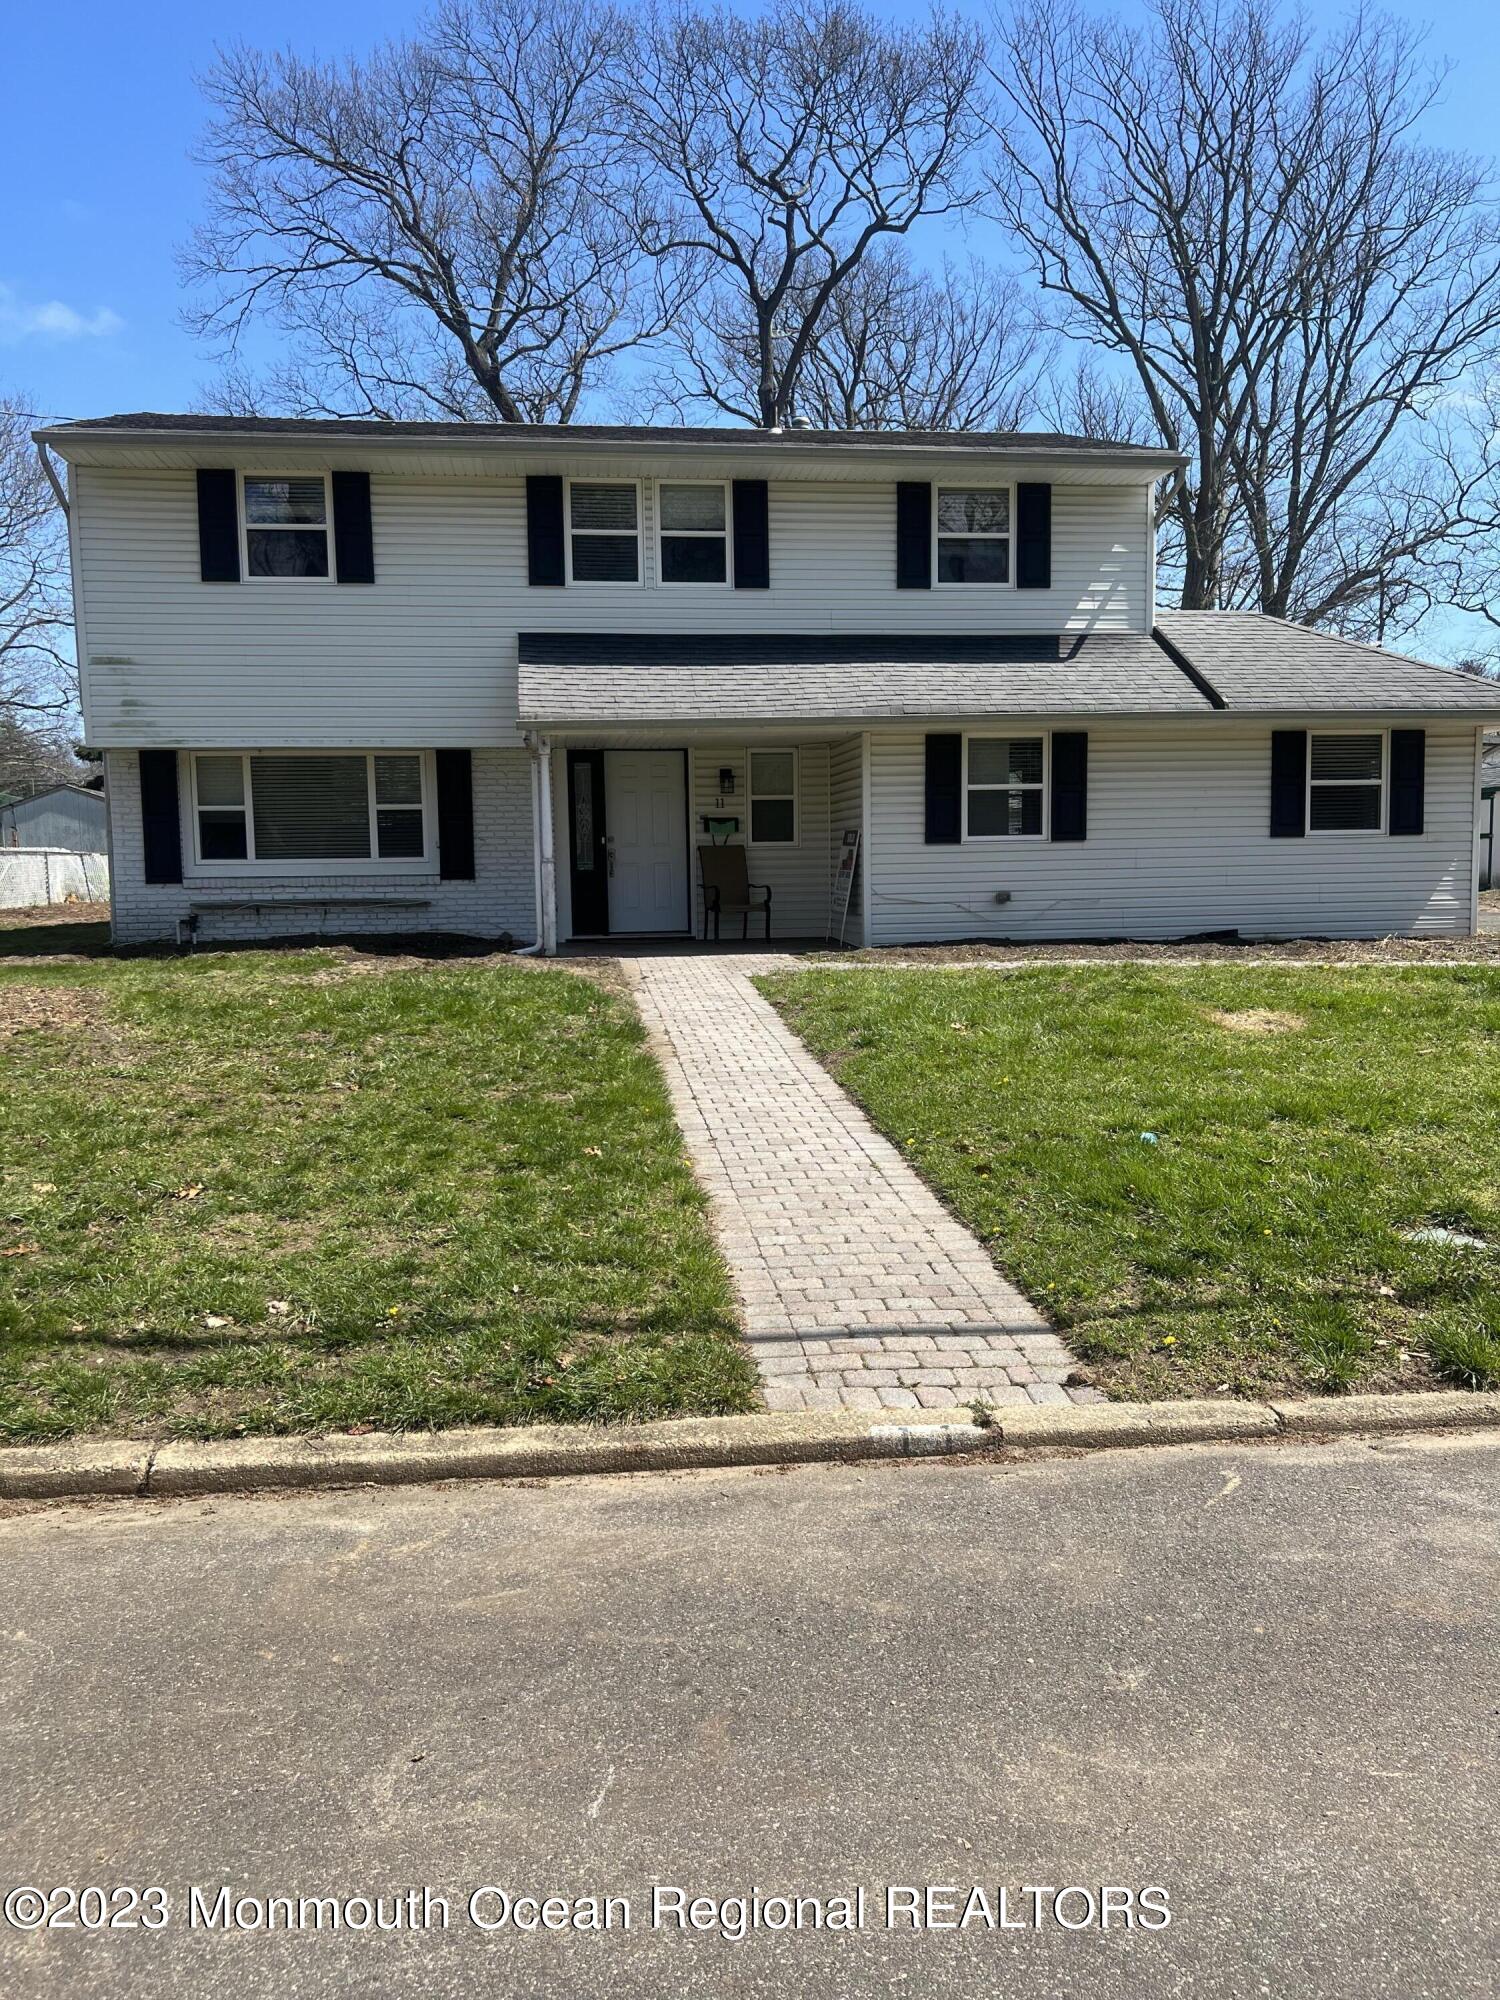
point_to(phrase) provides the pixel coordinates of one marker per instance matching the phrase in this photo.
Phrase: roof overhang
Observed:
(515, 450)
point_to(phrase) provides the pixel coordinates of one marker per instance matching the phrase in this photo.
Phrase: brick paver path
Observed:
(859, 1289)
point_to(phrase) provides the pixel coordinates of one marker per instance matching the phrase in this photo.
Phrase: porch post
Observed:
(549, 859)
(866, 860)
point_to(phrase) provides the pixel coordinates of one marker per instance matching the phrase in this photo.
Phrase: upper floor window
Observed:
(286, 525)
(1004, 786)
(972, 531)
(1345, 782)
(604, 531)
(309, 807)
(693, 522)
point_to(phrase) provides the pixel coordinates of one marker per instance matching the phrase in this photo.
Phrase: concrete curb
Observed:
(123, 1467)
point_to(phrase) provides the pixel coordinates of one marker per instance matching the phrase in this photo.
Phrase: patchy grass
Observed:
(1204, 1174)
(287, 1191)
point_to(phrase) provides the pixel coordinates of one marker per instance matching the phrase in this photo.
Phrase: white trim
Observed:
(866, 829)
(1008, 488)
(372, 864)
(724, 535)
(1382, 784)
(792, 750)
(272, 527)
(1019, 735)
(604, 582)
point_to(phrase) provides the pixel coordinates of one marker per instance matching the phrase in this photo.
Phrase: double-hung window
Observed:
(286, 525)
(313, 807)
(773, 798)
(1004, 786)
(972, 533)
(604, 531)
(693, 525)
(1346, 782)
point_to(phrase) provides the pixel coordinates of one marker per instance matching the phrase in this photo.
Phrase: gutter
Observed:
(518, 439)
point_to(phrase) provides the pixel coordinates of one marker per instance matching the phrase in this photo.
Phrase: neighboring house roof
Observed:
(1193, 664)
(51, 792)
(604, 677)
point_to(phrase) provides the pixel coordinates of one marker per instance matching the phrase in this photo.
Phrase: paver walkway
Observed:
(859, 1288)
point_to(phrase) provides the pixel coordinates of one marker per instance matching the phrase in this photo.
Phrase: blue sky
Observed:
(102, 113)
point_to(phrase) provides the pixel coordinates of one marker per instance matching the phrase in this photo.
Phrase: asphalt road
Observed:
(1265, 1679)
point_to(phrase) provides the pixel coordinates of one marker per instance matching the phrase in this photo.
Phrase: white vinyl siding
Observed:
(428, 652)
(1178, 841)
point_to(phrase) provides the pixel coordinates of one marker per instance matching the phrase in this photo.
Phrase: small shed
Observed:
(67, 817)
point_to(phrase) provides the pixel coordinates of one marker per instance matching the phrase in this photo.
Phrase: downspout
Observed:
(44, 459)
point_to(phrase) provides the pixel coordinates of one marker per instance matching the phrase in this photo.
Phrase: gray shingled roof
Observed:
(606, 678)
(1196, 662)
(1266, 665)
(1033, 443)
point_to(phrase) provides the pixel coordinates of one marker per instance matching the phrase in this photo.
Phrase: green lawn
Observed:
(1301, 1120)
(290, 1191)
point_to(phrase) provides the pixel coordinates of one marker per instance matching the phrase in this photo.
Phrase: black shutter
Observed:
(1070, 784)
(161, 823)
(353, 537)
(455, 815)
(1408, 779)
(544, 530)
(752, 535)
(1288, 784)
(1033, 537)
(913, 535)
(218, 526)
(945, 803)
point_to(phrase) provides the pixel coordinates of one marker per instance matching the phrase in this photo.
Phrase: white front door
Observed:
(645, 810)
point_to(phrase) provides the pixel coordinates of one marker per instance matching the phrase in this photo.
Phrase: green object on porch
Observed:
(719, 830)
(728, 890)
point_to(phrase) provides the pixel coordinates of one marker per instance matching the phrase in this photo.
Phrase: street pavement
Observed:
(1264, 1680)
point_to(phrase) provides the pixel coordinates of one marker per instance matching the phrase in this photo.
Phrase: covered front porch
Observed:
(630, 813)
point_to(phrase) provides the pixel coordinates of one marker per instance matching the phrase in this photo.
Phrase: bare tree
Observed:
(37, 676)
(1298, 285)
(790, 143)
(445, 230)
(898, 348)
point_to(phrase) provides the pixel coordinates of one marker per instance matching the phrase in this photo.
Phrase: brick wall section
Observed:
(500, 898)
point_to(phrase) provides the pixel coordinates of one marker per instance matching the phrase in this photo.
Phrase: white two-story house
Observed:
(354, 676)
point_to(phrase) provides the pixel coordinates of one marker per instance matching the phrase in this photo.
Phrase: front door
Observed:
(646, 817)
